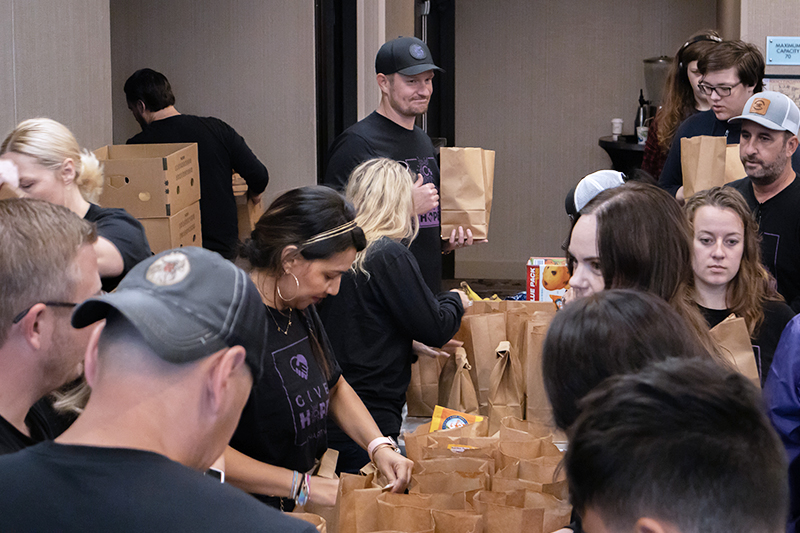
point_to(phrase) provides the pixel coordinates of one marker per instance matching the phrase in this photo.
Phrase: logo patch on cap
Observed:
(416, 51)
(169, 269)
(759, 106)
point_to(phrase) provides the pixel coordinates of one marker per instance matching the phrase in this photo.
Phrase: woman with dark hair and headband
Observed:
(296, 256)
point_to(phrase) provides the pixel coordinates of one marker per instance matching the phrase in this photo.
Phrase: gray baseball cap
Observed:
(406, 55)
(187, 303)
(773, 110)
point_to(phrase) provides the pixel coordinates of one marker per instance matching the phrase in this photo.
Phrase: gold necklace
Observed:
(284, 331)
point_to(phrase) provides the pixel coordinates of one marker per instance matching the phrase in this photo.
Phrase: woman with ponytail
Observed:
(52, 167)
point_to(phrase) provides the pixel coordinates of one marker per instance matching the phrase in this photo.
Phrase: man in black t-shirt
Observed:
(771, 189)
(170, 371)
(404, 69)
(220, 151)
(47, 266)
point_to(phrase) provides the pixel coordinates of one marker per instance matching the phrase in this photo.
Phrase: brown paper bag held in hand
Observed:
(506, 392)
(736, 347)
(708, 162)
(356, 503)
(467, 177)
(456, 390)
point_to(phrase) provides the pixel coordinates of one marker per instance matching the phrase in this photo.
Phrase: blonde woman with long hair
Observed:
(52, 167)
(383, 304)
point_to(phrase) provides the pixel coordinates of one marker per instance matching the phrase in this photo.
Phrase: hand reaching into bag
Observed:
(395, 467)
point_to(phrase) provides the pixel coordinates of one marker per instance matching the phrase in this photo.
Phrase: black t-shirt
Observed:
(378, 136)
(12, 440)
(779, 225)
(125, 233)
(284, 421)
(776, 316)
(220, 151)
(56, 487)
(372, 322)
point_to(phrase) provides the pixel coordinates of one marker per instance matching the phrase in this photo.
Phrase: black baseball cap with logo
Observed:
(404, 55)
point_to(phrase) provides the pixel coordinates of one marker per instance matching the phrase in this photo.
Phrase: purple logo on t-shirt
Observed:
(425, 168)
(299, 365)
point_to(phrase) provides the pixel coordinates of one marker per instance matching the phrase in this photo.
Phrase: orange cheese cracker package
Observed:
(444, 418)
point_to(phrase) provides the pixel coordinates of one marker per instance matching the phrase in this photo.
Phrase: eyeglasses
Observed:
(50, 304)
(721, 90)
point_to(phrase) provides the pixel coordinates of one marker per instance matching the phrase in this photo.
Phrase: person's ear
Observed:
(383, 82)
(224, 365)
(33, 326)
(791, 145)
(67, 171)
(651, 525)
(289, 256)
(141, 107)
(90, 358)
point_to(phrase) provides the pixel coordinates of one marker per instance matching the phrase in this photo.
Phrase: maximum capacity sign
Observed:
(783, 50)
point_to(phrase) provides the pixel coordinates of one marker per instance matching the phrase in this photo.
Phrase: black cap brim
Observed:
(417, 69)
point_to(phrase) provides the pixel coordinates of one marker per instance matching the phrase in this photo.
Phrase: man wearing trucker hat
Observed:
(170, 372)
(768, 141)
(404, 72)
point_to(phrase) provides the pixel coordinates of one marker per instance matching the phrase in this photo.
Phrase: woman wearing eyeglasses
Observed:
(682, 99)
(731, 73)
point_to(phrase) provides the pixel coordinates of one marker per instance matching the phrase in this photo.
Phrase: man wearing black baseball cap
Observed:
(404, 71)
(170, 372)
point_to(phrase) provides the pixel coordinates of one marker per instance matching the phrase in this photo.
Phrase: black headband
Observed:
(696, 39)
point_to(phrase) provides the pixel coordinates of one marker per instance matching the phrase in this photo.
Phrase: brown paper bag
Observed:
(707, 162)
(467, 177)
(521, 511)
(356, 504)
(456, 390)
(512, 452)
(311, 518)
(457, 521)
(395, 515)
(506, 391)
(734, 169)
(513, 429)
(423, 390)
(735, 345)
(538, 475)
(537, 404)
(481, 334)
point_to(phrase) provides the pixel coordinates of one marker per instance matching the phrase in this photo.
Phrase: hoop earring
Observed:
(278, 288)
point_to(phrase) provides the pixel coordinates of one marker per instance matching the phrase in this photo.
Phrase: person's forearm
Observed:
(349, 413)
(256, 477)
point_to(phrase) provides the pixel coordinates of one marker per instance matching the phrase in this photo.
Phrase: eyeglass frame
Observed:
(707, 89)
(20, 316)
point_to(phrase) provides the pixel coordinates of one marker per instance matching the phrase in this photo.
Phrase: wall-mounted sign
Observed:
(783, 51)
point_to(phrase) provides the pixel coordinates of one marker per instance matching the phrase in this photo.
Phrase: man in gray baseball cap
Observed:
(768, 141)
(170, 372)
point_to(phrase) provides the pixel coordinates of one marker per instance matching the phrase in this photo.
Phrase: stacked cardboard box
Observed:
(159, 184)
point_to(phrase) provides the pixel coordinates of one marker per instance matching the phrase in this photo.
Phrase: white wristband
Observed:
(377, 442)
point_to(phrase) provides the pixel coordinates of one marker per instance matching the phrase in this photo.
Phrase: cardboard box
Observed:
(548, 278)
(150, 180)
(183, 229)
(247, 213)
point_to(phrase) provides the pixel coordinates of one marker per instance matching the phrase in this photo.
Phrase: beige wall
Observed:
(378, 21)
(539, 82)
(55, 61)
(249, 63)
(777, 18)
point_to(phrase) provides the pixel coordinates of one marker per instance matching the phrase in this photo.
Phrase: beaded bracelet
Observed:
(295, 486)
